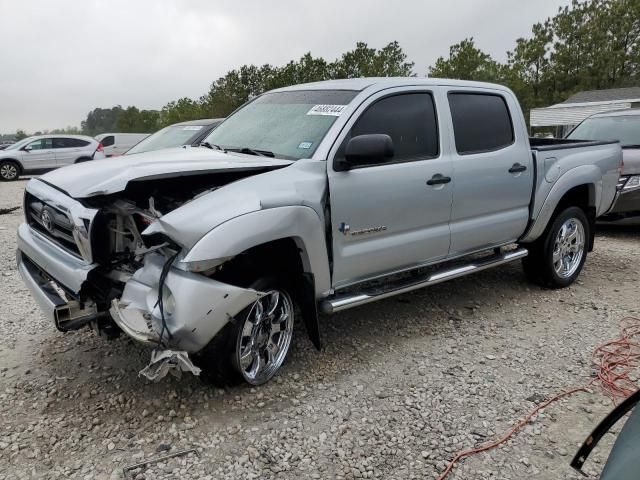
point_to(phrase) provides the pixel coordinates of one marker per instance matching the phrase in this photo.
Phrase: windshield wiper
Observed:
(212, 146)
(630, 146)
(252, 151)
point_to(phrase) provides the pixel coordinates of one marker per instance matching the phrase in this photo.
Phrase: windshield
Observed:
(625, 128)
(291, 125)
(171, 136)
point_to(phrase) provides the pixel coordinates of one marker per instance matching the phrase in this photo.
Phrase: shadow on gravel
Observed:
(353, 340)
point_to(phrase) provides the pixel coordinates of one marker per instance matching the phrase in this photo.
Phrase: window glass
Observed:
(172, 136)
(42, 144)
(625, 128)
(409, 119)
(481, 122)
(108, 141)
(289, 124)
(69, 143)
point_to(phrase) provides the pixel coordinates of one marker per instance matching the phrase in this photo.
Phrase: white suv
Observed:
(47, 152)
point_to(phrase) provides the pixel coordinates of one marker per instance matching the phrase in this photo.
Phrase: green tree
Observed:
(467, 62)
(21, 134)
(363, 61)
(101, 120)
(180, 111)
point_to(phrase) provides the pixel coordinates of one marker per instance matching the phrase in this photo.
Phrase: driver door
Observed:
(39, 155)
(386, 217)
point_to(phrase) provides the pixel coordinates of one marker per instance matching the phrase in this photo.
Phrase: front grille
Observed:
(52, 223)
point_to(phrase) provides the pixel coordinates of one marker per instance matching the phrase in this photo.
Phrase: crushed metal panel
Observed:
(168, 361)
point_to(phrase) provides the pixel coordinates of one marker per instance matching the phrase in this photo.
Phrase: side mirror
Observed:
(27, 148)
(366, 150)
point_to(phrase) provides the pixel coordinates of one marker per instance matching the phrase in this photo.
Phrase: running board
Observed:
(354, 299)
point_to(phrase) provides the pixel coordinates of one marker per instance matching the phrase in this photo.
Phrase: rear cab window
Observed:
(481, 122)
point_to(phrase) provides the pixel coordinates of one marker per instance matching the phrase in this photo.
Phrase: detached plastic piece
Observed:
(168, 361)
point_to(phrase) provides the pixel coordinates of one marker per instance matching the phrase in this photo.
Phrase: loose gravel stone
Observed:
(399, 388)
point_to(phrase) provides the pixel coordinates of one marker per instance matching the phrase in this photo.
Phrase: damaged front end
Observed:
(134, 280)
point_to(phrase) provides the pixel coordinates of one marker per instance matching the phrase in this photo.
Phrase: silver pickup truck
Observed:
(312, 198)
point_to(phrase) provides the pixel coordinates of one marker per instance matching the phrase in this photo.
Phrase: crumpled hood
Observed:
(111, 175)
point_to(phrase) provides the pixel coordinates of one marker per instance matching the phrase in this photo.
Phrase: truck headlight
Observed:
(632, 183)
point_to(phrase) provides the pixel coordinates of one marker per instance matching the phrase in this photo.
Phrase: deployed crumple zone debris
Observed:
(168, 361)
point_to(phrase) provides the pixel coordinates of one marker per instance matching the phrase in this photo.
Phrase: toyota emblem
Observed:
(47, 219)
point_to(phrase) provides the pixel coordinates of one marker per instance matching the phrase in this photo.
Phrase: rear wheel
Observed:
(556, 259)
(9, 170)
(255, 344)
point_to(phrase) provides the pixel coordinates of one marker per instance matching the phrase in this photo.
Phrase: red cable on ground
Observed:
(614, 361)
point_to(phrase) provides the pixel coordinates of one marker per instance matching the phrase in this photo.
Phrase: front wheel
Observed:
(9, 170)
(556, 259)
(255, 344)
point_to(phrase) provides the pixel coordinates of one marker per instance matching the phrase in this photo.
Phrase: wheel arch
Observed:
(581, 188)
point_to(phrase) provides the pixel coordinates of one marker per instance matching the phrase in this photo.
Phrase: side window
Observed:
(108, 141)
(42, 144)
(481, 122)
(76, 142)
(61, 143)
(409, 119)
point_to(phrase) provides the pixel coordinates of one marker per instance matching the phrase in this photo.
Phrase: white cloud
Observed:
(61, 59)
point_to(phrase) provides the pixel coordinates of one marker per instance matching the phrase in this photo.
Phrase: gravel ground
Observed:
(400, 387)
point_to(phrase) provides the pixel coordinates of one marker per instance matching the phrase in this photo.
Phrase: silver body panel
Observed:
(484, 206)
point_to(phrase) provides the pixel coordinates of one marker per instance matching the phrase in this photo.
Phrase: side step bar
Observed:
(354, 299)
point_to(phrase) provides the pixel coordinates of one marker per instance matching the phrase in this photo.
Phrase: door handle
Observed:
(438, 179)
(517, 168)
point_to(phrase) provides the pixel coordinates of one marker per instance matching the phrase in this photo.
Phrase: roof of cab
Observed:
(359, 84)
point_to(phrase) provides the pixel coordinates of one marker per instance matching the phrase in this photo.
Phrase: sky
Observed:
(60, 59)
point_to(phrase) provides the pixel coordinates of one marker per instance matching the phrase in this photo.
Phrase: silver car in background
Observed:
(42, 153)
(622, 125)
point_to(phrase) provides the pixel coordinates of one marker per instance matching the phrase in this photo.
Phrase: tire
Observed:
(556, 259)
(9, 170)
(249, 348)
(82, 160)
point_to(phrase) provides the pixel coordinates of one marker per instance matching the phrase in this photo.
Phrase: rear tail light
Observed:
(100, 148)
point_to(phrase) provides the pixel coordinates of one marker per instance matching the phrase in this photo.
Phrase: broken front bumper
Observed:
(196, 308)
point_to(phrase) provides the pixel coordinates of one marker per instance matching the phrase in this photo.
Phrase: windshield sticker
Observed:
(332, 110)
(192, 127)
(305, 145)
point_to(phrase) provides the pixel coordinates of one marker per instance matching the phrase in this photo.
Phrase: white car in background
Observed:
(116, 144)
(42, 153)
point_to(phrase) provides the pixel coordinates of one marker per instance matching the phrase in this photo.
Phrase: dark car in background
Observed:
(622, 125)
(179, 134)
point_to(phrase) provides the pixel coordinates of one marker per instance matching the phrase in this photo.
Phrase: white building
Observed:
(566, 115)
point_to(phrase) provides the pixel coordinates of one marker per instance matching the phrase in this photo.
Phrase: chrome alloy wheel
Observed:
(265, 337)
(8, 171)
(568, 248)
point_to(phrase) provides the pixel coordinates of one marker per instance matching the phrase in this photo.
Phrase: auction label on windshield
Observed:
(332, 110)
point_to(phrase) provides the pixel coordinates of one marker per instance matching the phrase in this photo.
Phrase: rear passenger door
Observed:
(492, 171)
(384, 216)
(68, 150)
